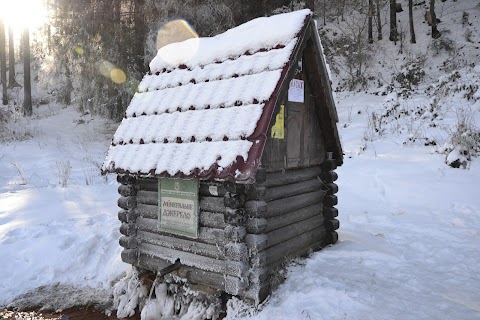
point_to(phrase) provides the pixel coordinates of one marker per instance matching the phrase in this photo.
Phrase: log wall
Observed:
(218, 258)
(245, 231)
(284, 220)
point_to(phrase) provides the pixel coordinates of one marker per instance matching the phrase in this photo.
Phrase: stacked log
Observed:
(128, 216)
(284, 220)
(216, 259)
(329, 176)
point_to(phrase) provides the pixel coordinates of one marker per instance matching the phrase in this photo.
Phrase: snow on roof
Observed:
(195, 115)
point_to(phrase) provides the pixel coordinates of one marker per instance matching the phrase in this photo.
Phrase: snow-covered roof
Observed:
(197, 115)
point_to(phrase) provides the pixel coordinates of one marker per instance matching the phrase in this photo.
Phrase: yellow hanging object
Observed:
(278, 129)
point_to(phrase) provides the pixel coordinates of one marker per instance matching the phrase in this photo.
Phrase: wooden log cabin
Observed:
(226, 158)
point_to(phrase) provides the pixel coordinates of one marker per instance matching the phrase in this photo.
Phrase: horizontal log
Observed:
(205, 235)
(147, 184)
(127, 215)
(191, 246)
(125, 179)
(257, 293)
(329, 176)
(261, 175)
(212, 220)
(256, 208)
(236, 251)
(331, 188)
(302, 253)
(128, 229)
(256, 242)
(219, 281)
(130, 256)
(127, 190)
(282, 206)
(206, 188)
(287, 248)
(284, 191)
(256, 225)
(234, 201)
(233, 268)
(332, 237)
(127, 202)
(128, 242)
(234, 233)
(207, 219)
(292, 217)
(330, 200)
(147, 211)
(293, 230)
(329, 165)
(330, 213)
(147, 197)
(280, 178)
(332, 225)
(256, 192)
(234, 216)
(212, 204)
(212, 189)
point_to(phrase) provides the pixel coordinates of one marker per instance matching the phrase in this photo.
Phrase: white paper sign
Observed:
(296, 92)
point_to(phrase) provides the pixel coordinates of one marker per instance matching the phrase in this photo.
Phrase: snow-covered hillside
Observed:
(409, 239)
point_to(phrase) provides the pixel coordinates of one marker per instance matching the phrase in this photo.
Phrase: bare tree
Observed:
(370, 21)
(12, 83)
(393, 21)
(410, 19)
(379, 21)
(3, 63)
(27, 85)
(435, 33)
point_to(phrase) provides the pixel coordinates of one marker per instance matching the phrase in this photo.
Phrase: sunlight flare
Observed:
(19, 14)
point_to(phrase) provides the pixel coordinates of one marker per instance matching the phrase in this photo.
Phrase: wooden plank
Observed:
(282, 206)
(293, 230)
(192, 246)
(280, 178)
(233, 268)
(206, 235)
(304, 252)
(284, 191)
(292, 217)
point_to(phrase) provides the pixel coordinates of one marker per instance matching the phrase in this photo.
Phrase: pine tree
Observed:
(3, 63)
(393, 21)
(27, 85)
(12, 83)
(410, 19)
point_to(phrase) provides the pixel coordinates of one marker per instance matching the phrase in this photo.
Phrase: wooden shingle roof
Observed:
(205, 114)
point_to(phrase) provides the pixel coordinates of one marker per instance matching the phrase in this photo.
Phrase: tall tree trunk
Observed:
(27, 85)
(370, 21)
(379, 22)
(393, 21)
(435, 32)
(3, 63)
(12, 83)
(410, 19)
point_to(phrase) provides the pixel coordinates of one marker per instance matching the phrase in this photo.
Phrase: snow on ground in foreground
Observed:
(409, 237)
(66, 237)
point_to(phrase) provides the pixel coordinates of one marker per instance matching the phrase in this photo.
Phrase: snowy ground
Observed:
(409, 243)
(50, 234)
(409, 240)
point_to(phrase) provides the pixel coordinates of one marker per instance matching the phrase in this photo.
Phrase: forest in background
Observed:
(93, 53)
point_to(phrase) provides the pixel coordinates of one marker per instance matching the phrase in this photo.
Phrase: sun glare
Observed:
(19, 14)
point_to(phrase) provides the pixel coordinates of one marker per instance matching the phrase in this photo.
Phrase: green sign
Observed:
(178, 206)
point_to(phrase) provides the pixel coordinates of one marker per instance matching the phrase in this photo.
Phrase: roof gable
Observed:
(207, 116)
